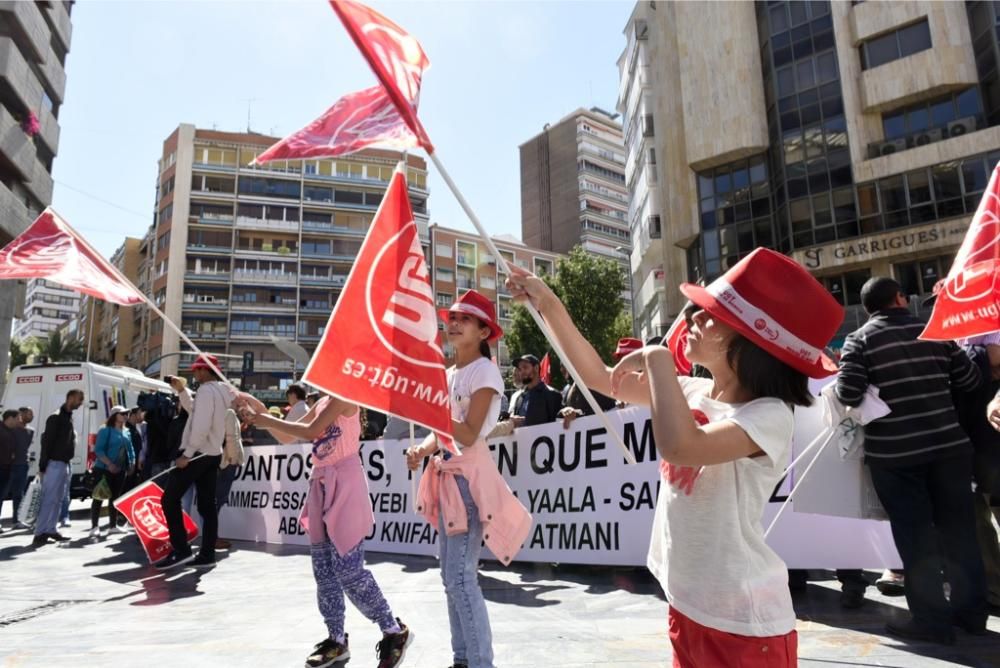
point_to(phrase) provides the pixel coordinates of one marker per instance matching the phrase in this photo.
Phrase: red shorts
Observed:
(697, 646)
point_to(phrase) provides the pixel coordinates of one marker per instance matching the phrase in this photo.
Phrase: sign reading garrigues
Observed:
(588, 505)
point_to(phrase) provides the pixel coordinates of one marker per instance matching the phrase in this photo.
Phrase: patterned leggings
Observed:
(338, 575)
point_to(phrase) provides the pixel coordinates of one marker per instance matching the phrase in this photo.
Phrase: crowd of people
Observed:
(723, 434)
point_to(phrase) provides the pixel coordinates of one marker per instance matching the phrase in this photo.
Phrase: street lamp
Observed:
(621, 250)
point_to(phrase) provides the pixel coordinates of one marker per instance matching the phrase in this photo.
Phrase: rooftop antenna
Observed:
(250, 101)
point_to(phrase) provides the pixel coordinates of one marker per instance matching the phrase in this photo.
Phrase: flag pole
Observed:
(791, 467)
(542, 325)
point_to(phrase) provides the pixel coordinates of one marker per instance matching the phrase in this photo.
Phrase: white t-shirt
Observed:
(707, 548)
(463, 383)
(297, 412)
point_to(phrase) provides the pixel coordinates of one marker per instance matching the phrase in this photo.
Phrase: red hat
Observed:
(626, 346)
(773, 301)
(201, 362)
(479, 306)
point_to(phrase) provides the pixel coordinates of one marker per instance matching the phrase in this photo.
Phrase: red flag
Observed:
(380, 348)
(967, 303)
(142, 506)
(52, 250)
(545, 370)
(676, 341)
(354, 122)
(396, 57)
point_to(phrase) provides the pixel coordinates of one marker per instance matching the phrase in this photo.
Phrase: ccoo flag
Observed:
(144, 511)
(52, 250)
(968, 303)
(355, 121)
(380, 348)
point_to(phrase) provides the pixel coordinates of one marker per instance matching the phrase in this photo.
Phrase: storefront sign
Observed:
(888, 244)
(588, 505)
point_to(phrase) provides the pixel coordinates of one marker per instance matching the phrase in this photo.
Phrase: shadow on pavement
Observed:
(822, 605)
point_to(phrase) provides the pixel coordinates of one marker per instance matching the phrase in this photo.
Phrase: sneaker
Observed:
(915, 632)
(39, 540)
(64, 524)
(173, 560)
(891, 584)
(221, 544)
(973, 625)
(391, 649)
(56, 536)
(115, 530)
(852, 599)
(203, 561)
(94, 533)
(459, 665)
(22, 526)
(328, 653)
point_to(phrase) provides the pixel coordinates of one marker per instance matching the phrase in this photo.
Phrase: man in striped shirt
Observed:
(920, 461)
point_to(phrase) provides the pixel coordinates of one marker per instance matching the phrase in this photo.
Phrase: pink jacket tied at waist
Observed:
(506, 522)
(338, 504)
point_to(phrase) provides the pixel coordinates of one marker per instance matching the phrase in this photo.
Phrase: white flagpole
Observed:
(413, 474)
(542, 325)
(788, 499)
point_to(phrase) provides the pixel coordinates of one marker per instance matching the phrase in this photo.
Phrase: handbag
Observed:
(31, 503)
(90, 479)
(102, 490)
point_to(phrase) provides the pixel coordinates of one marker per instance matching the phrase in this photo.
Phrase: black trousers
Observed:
(116, 483)
(202, 473)
(931, 512)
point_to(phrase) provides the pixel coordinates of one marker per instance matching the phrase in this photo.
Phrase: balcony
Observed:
(204, 249)
(265, 224)
(207, 276)
(262, 307)
(268, 251)
(213, 219)
(212, 167)
(268, 395)
(285, 332)
(316, 226)
(192, 303)
(262, 365)
(314, 279)
(326, 309)
(310, 337)
(265, 277)
(206, 336)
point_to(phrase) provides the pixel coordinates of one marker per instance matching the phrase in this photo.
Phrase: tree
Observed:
(20, 350)
(57, 349)
(591, 289)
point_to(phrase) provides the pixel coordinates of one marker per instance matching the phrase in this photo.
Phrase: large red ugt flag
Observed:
(967, 303)
(52, 250)
(142, 506)
(380, 348)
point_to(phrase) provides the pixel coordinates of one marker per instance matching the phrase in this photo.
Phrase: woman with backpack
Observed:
(115, 460)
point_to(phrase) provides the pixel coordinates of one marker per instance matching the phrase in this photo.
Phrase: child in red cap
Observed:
(724, 443)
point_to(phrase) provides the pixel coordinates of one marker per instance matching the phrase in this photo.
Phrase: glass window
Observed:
(804, 74)
(894, 125)
(758, 170)
(893, 193)
(786, 82)
(914, 38)
(880, 50)
(968, 103)
(779, 19)
(853, 281)
(919, 187)
(942, 112)
(906, 275)
(918, 120)
(826, 67)
(974, 176)
(798, 11)
(843, 204)
(947, 183)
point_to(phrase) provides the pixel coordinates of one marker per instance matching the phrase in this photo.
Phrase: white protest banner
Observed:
(588, 505)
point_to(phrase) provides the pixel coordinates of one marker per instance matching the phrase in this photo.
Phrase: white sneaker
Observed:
(115, 530)
(22, 525)
(94, 533)
(64, 524)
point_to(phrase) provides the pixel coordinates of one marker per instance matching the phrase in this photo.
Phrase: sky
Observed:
(499, 72)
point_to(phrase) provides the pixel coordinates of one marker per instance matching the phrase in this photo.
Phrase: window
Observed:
(895, 45)
(163, 241)
(918, 277)
(926, 122)
(442, 250)
(653, 223)
(255, 185)
(317, 194)
(444, 276)
(846, 288)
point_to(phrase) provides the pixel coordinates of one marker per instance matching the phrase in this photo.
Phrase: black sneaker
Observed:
(973, 625)
(203, 561)
(913, 631)
(39, 540)
(391, 649)
(852, 599)
(328, 653)
(56, 536)
(173, 560)
(459, 665)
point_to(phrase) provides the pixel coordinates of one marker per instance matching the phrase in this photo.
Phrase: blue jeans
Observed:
(55, 484)
(64, 509)
(471, 637)
(16, 487)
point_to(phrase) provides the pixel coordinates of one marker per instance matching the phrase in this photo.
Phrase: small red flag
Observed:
(396, 57)
(380, 348)
(355, 121)
(52, 250)
(142, 506)
(676, 341)
(968, 303)
(545, 370)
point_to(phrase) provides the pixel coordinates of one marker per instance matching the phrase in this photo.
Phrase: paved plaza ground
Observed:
(86, 604)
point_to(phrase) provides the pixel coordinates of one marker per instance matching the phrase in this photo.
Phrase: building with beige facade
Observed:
(856, 137)
(242, 253)
(107, 331)
(460, 261)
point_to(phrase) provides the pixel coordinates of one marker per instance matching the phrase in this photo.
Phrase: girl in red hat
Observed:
(465, 495)
(724, 444)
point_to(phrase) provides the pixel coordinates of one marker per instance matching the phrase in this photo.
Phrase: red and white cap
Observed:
(475, 304)
(773, 301)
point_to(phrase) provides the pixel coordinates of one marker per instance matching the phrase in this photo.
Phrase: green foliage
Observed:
(57, 349)
(591, 289)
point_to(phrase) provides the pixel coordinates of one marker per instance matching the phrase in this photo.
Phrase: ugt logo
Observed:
(400, 302)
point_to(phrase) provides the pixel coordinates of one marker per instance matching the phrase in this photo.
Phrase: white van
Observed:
(43, 388)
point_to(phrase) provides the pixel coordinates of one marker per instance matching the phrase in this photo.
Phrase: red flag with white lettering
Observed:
(396, 57)
(142, 507)
(380, 348)
(968, 303)
(52, 250)
(356, 121)
(676, 341)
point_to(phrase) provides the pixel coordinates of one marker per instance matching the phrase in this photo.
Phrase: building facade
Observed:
(460, 261)
(34, 41)
(47, 305)
(858, 137)
(242, 253)
(107, 331)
